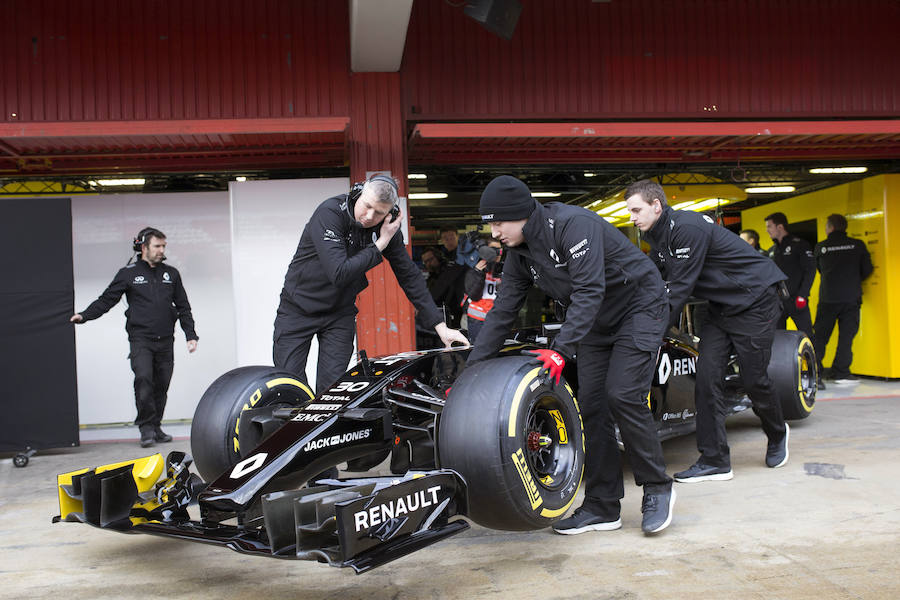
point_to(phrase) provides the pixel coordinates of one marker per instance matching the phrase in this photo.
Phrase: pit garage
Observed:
(225, 124)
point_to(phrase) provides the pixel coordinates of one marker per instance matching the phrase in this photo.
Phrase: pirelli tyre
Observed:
(516, 440)
(793, 372)
(217, 443)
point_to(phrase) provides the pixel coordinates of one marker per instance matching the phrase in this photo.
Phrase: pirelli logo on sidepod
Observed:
(531, 488)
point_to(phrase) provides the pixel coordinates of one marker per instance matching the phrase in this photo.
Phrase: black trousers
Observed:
(152, 361)
(748, 334)
(615, 371)
(800, 317)
(293, 338)
(846, 315)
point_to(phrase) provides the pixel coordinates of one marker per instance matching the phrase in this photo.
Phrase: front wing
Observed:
(359, 523)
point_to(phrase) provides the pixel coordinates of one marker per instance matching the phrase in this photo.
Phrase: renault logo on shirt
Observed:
(166, 277)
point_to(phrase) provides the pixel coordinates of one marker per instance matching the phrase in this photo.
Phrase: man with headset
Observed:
(346, 236)
(156, 298)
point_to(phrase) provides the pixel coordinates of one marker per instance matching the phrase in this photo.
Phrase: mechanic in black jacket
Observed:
(615, 318)
(698, 257)
(794, 256)
(156, 298)
(843, 263)
(346, 236)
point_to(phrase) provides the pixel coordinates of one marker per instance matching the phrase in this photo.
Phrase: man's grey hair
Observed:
(383, 191)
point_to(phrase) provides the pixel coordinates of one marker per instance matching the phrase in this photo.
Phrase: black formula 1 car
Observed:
(503, 448)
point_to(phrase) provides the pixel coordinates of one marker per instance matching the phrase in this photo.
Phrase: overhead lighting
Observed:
(701, 205)
(841, 170)
(111, 182)
(590, 174)
(240, 178)
(776, 189)
(545, 194)
(611, 208)
(611, 219)
(427, 196)
(620, 213)
(417, 176)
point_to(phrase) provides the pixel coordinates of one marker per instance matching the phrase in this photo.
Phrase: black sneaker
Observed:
(161, 436)
(147, 439)
(582, 520)
(820, 384)
(777, 452)
(703, 472)
(657, 508)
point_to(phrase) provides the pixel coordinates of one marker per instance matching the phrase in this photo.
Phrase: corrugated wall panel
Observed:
(97, 60)
(717, 59)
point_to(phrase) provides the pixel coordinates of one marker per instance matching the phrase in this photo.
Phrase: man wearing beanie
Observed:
(615, 315)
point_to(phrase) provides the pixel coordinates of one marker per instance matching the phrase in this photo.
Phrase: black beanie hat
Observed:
(506, 199)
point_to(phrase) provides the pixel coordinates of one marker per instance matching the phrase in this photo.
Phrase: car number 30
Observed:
(350, 386)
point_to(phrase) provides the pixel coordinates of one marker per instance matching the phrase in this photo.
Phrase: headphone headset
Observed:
(357, 189)
(141, 238)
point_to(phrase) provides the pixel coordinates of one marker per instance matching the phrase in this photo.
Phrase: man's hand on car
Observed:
(448, 336)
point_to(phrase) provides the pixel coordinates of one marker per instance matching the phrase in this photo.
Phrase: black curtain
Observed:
(39, 399)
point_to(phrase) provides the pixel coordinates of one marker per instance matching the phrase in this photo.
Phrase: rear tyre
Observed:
(516, 440)
(793, 372)
(216, 439)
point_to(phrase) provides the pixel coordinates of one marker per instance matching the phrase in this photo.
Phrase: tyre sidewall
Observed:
(215, 431)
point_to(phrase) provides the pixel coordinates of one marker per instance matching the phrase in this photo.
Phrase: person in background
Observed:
(700, 258)
(752, 237)
(794, 256)
(843, 263)
(449, 244)
(482, 283)
(445, 283)
(156, 299)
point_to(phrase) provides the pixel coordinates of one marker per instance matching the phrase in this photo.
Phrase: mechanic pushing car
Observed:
(156, 298)
(615, 316)
(698, 257)
(346, 236)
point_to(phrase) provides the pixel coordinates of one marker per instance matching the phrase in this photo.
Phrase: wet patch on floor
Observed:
(827, 470)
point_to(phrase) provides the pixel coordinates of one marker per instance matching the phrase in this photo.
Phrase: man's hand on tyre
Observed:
(552, 361)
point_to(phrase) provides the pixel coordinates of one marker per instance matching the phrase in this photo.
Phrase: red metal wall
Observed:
(377, 143)
(633, 59)
(97, 60)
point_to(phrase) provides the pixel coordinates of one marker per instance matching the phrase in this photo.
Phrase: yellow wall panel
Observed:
(868, 205)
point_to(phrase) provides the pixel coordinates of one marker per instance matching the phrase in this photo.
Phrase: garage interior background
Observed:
(208, 91)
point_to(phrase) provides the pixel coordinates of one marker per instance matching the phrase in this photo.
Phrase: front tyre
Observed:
(793, 372)
(516, 440)
(217, 441)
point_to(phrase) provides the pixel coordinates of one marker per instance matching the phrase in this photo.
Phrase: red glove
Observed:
(800, 302)
(552, 360)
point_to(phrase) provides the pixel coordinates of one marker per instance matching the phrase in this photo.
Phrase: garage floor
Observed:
(825, 526)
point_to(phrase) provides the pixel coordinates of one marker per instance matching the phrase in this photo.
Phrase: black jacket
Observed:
(794, 256)
(697, 257)
(843, 263)
(329, 267)
(156, 298)
(583, 263)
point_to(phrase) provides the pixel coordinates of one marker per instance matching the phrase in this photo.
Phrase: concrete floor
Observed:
(825, 526)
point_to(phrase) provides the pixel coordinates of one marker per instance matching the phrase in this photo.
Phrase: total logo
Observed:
(337, 440)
